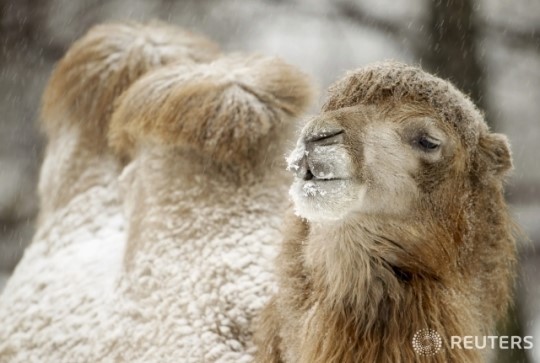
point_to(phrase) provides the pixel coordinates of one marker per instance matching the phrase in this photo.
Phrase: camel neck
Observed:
(163, 188)
(361, 294)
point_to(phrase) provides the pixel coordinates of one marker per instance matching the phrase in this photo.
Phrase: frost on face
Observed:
(293, 160)
(312, 189)
(323, 200)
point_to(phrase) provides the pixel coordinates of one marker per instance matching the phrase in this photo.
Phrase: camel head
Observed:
(393, 140)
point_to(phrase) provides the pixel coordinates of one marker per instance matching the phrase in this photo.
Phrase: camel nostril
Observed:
(327, 138)
(309, 175)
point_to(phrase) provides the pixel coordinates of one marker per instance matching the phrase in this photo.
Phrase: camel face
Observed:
(366, 159)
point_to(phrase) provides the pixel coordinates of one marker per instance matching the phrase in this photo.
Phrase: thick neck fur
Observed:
(166, 186)
(199, 251)
(338, 257)
(355, 295)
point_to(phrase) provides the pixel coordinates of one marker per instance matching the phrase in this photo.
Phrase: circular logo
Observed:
(426, 342)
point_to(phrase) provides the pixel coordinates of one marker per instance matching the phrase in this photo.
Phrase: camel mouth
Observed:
(319, 188)
(326, 179)
(322, 180)
(309, 175)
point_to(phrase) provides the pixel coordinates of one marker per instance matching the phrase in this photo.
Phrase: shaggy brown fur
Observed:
(80, 96)
(229, 110)
(358, 289)
(105, 62)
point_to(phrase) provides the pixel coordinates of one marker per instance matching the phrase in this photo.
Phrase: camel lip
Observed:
(315, 179)
(326, 179)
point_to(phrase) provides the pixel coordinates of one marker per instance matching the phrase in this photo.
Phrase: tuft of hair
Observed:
(230, 109)
(106, 61)
(391, 81)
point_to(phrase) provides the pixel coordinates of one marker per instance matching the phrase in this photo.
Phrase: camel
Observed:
(400, 238)
(120, 272)
(203, 195)
(49, 308)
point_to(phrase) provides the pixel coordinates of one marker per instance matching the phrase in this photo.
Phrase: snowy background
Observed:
(489, 48)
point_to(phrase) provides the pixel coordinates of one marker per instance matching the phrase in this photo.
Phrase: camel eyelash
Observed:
(427, 143)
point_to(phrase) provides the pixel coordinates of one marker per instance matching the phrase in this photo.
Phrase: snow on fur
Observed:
(171, 260)
(203, 215)
(198, 264)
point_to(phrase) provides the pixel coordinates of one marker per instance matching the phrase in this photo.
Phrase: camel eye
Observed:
(427, 144)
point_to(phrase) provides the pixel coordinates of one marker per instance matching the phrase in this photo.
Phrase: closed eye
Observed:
(427, 143)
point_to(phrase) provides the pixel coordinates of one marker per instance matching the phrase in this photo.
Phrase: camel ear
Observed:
(226, 109)
(105, 62)
(495, 152)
